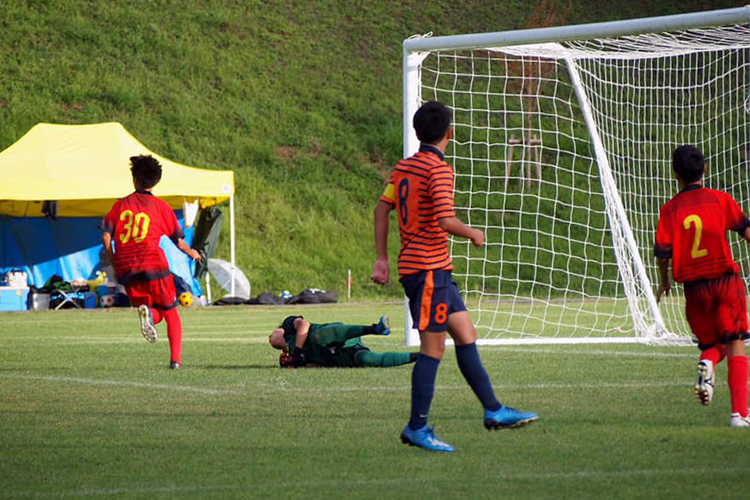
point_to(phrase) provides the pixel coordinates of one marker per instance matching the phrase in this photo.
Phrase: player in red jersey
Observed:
(692, 233)
(420, 190)
(137, 223)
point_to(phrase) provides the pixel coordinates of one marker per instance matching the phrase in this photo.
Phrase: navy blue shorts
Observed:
(433, 297)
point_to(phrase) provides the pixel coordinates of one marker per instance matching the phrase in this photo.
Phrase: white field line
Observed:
(344, 482)
(252, 338)
(406, 388)
(679, 353)
(123, 383)
(135, 338)
(283, 386)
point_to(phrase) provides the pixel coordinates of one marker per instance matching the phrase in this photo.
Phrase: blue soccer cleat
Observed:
(424, 438)
(507, 418)
(383, 327)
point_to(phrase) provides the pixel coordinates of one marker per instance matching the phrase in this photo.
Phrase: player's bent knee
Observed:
(432, 344)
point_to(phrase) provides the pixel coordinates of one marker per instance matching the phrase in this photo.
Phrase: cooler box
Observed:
(13, 299)
(38, 301)
(87, 300)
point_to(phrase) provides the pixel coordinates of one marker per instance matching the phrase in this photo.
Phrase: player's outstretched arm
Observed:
(665, 283)
(303, 328)
(381, 271)
(107, 242)
(456, 227)
(746, 234)
(190, 252)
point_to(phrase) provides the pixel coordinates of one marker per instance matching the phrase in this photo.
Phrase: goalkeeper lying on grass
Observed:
(332, 345)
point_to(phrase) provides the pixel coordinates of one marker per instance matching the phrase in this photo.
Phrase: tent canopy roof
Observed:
(86, 168)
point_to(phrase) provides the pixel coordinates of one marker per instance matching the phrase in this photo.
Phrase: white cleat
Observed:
(148, 329)
(736, 420)
(704, 384)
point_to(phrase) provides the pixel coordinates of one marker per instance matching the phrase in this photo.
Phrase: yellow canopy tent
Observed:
(86, 168)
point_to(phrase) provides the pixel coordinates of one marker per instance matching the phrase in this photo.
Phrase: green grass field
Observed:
(90, 410)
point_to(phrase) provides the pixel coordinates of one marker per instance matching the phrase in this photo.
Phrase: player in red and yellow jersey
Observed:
(136, 223)
(420, 191)
(692, 233)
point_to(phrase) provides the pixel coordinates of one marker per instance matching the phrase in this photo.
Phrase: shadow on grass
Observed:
(235, 367)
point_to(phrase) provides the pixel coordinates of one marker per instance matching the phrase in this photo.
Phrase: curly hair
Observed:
(146, 169)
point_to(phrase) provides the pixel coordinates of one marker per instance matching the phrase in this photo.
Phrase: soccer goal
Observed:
(562, 151)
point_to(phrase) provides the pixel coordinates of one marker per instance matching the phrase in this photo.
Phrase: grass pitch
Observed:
(90, 410)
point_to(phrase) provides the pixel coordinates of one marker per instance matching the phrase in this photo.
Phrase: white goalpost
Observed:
(562, 152)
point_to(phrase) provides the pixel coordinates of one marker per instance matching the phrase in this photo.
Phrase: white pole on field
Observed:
(231, 233)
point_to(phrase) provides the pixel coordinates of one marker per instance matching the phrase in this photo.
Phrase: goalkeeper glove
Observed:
(298, 359)
(294, 360)
(285, 360)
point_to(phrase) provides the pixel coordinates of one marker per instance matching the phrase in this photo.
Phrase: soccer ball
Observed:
(107, 300)
(286, 294)
(186, 299)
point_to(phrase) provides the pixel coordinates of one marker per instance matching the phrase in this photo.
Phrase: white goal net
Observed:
(562, 151)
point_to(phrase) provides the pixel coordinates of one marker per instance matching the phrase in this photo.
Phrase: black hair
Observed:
(431, 122)
(688, 163)
(288, 325)
(146, 169)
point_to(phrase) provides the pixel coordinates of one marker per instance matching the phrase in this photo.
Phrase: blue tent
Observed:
(70, 248)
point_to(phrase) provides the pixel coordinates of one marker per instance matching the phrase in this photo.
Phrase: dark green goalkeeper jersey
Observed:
(328, 344)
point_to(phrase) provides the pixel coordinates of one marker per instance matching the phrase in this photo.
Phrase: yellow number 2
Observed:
(135, 226)
(696, 221)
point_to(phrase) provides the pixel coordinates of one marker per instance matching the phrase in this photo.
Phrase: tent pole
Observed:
(231, 232)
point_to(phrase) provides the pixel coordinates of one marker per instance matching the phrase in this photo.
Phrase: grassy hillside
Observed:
(301, 99)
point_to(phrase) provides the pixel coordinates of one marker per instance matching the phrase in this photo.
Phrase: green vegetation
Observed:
(90, 410)
(301, 99)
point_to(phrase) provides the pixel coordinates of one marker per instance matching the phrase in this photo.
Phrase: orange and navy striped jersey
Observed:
(692, 231)
(137, 223)
(421, 191)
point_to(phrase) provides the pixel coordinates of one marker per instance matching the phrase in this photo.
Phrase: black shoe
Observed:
(174, 365)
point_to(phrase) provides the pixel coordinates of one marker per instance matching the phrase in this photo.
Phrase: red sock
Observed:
(157, 315)
(714, 354)
(174, 333)
(737, 378)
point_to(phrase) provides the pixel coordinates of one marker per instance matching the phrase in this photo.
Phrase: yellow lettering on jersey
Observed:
(135, 227)
(140, 229)
(696, 221)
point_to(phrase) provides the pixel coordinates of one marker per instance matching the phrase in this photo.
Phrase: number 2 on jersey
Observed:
(136, 226)
(696, 221)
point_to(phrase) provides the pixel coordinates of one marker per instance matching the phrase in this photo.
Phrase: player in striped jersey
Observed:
(136, 223)
(692, 233)
(420, 190)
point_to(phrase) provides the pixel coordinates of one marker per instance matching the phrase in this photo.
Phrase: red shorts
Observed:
(716, 309)
(159, 294)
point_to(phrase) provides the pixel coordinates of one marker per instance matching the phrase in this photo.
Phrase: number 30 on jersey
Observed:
(136, 226)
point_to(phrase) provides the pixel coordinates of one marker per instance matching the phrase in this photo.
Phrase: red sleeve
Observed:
(172, 227)
(110, 220)
(663, 244)
(736, 218)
